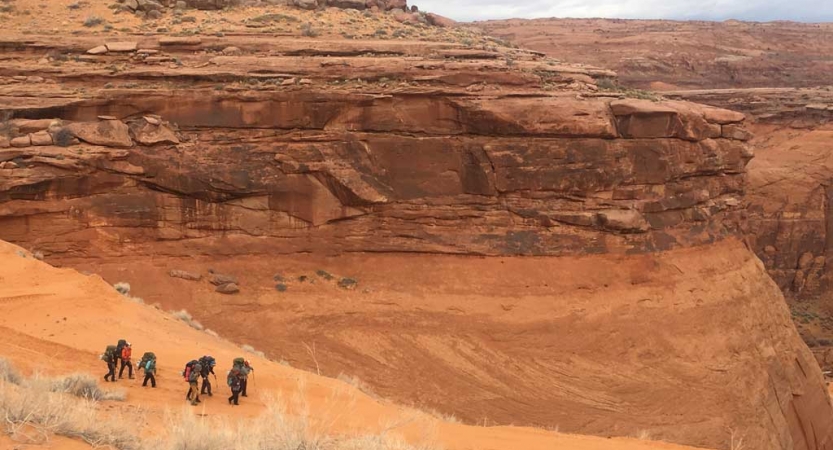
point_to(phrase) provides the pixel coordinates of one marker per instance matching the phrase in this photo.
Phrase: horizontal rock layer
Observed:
(545, 175)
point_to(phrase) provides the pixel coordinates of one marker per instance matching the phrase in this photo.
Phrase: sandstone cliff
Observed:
(176, 146)
(347, 166)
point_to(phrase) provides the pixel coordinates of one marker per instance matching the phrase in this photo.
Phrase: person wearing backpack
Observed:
(126, 354)
(109, 357)
(246, 369)
(192, 375)
(149, 366)
(234, 384)
(207, 362)
(119, 347)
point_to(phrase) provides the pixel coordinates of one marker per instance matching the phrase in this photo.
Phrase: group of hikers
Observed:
(120, 355)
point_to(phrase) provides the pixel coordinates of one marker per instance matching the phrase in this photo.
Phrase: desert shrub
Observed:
(324, 274)
(8, 372)
(249, 349)
(274, 429)
(280, 287)
(123, 288)
(63, 137)
(606, 84)
(93, 21)
(85, 386)
(348, 283)
(357, 383)
(186, 317)
(25, 406)
(308, 31)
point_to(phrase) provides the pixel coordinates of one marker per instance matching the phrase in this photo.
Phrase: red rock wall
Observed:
(352, 172)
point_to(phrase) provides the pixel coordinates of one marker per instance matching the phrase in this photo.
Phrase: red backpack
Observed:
(188, 367)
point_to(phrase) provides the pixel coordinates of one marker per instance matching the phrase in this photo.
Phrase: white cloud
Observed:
(761, 10)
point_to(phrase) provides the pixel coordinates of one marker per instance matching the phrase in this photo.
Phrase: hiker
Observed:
(192, 376)
(126, 353)
(207, 362)
(149, 366)
(239, 364)
(119, 347)
(247, 369)
(234, 384)
(109, 356)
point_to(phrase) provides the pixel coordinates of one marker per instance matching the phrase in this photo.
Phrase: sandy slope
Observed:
(56, 320)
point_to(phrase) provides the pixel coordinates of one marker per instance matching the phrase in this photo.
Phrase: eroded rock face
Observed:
(534, 176)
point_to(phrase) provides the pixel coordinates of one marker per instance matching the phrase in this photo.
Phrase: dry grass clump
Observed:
(124, 289)
(8, 373)
(85, 386)
(28, 408)
(273, 430)
(357, 383)
(186, 317)
(249, 349)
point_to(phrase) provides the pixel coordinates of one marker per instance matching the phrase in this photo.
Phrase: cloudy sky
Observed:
(758, 10)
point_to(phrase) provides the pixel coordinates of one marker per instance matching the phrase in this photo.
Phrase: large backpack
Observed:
(233, 377)
(207, 362)
(145, 358)
(188, 368)
(122, 344)
(109, 353)
(239, 362)
(149, 365)
(194, 375)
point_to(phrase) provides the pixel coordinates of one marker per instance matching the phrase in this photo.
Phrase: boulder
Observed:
(5, 142)
(100, 50)
(736, 132)
(149, 5)
(306, 4)
(31, 126)
(146, 133)
(638, 119)
(347, 4)
(121, 47)
(628, 221)
(154, 15)
(133, 5)
(22, 141)
(108, 133)
(440, 21)
(211, 4)
(185, 275)
(218, 279)
(722, 116)
(388, 5)
(180, 40)
(41, 138)
(230, 51)
(230, 288)
(405, 17)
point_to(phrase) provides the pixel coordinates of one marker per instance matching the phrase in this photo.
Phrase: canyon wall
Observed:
(131, 156)
(319, 171)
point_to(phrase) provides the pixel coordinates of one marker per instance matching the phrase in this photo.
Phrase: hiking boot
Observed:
(229, 401)
(132, 378)
(244, 395)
